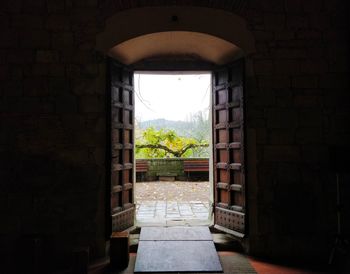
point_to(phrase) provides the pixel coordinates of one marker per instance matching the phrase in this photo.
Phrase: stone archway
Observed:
(133, 35)
(205, 30)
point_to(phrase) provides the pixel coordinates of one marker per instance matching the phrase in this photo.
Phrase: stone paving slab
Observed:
(199, 233)
(177, 256)
(172, 210)
(168, 203)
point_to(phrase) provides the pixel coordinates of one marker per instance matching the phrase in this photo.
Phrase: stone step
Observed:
(222, 241)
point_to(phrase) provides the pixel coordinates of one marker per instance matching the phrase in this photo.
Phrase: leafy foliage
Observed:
(166, 143)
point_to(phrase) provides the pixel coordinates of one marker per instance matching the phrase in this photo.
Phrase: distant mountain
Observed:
(182, 128)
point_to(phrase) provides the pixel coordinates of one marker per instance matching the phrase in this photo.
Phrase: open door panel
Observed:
(228, 148)
(122, 146)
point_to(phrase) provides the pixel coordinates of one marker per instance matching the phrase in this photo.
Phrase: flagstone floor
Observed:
(172, 203)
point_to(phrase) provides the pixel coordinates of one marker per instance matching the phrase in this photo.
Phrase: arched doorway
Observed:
(174, 33)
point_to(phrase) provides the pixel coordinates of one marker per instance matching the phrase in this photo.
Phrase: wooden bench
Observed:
(196, 165)
(141, 166)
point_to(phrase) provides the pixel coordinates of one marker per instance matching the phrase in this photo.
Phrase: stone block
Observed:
(27, 21)
(54, 6)
(58, 86)
(90, 139)
(167, 178)
(37, 7)
(308, 136)
(305, 82)
(21, 56)
(261, 135)
(316, 51)
(314, 66)
(334, 81)
(16, 73)
(35, 87)
(4, 72)
(262, 50)
(47, 56)
(284, 35)
(92, 104)
(282, 118)
(90, 70)
(273, 6)
(289, 53)
(309, 34)
(312, 6)
(262, 67)
(12, 88)
(73, 71)
(119, 250)
(319, 21)
(35, 39)
(36, 70)
(5, 20)
(292, 6)
(58, 22)
(10, 224)
(99, 156)
(266, 97)
(73, 156)
(275, 81)
(20, 204)
(297, 21)
(84, 57)
(73, 121)
(261, 35)
(274, 20)
(57, 70)
(288, 174)
(100, 125)
(286, 67)
(307, 101)
(9, 38)
(84, 86)
(62, 40)
(310, 118)
(12, 6)
(281, 136)
(66, 103)
(80, 260)
(284, 101)
(3, 202)
(256, 122)
(316, 154)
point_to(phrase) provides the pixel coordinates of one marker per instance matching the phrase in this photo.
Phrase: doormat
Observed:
(180, 249)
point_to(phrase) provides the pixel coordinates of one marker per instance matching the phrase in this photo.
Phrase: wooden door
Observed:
(228, 148)
(122, 146)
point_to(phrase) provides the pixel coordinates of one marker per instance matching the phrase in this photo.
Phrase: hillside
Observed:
(182, 128)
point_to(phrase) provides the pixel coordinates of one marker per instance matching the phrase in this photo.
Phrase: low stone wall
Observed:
(169, 169)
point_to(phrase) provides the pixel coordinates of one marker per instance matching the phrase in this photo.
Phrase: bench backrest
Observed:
(196, 165)
(141, 166)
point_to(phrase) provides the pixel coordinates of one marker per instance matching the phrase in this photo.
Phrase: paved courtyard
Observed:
(172, 203)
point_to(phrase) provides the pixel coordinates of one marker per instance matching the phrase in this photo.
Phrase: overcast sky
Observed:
(172, 97)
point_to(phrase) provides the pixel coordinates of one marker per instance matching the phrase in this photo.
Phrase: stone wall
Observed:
(297, 109)
(52, 141)
(52, 107)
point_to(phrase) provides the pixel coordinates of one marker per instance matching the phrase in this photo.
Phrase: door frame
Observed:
(172, 64)
(165, 68)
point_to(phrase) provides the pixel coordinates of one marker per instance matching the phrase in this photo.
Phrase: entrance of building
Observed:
(173, 148)
(227, 107)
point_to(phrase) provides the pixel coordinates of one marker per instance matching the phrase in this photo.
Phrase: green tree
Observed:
(166, 143)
